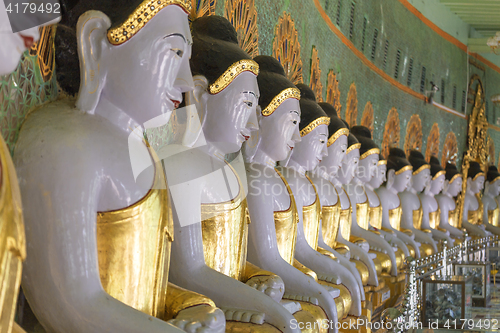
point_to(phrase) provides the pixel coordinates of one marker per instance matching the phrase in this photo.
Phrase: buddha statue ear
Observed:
(196, 100)
(91, 31)
(487, 187)
(391, 176)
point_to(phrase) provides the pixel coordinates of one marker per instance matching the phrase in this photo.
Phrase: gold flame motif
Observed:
(243, 16)
(432, 143)
(200, 8)
(315, 80)
(391, 132)
(333, 92)
(367, 119)
(351, 113)
(413, 139)
(450, 149)
(286, 48)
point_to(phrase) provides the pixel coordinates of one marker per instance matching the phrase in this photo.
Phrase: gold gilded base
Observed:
(363, 271)
(318, 314)
(306, 322)
(238, 327)
(396, 284)
(349, 325)
(343, 301)
(426, 250)
(367, 309)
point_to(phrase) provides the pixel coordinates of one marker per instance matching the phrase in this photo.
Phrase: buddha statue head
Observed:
(337, 142)
(226, 92)
(369, 154)
(381, 174)
(492, 186)
(13, 44)
(399, 170)
(453, 183)
(278, 113)
(349, 164)
(313, 127)
(476, 177)
(421, 176)
(134, 57)
(438, 177)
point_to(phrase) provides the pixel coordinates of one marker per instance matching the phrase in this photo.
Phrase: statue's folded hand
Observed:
(200, 319)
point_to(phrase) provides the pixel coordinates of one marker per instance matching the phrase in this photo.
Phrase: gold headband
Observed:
(142, 15)
(479, 174)
(245, 65)
(455, 177)
(370, 152)
(382, 162)
(351, 148)
(441, 172)
(336, 135)
(403, 169)
(494, 180)
(280, 98)
(309, 128)
(423, 167)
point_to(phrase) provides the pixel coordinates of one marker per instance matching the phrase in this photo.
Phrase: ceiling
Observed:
(482, 15)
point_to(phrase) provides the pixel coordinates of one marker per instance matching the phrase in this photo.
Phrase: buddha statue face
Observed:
(348, 167)
(309, 152)
(230, 115)
(421, 180)
(367, 168)
(12, 44)
(380, 176)
(437, 185)
(279, 132)
(336, 154)
(494, 188)
(401, 181)
(455, 187)
(477, 184)
(146, 75)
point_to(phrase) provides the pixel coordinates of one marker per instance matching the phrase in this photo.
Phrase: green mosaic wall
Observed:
(395, 24)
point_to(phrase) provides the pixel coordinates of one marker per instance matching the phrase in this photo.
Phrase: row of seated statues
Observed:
(307, 228)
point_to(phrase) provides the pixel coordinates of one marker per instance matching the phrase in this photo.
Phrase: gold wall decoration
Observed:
(243, 16)
(333, 92)
(351, 112)
(367, 117)
(432, 143)
(286, 48)
(413, 138)
(44, 50)
(391, 132)
(477, 132)
(315, 79)
(450, 150)
(491, 151)
(200, 8)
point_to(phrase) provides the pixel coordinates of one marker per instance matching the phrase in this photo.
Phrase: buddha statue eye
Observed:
(178, 52)
(294, 122)
(249, 104)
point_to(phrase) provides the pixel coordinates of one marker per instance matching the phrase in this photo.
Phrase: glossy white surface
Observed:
(366, 170)
(446, 201)
(72, 164)
(268, 193)
(410, 201)
(471, 203)
(389, 195)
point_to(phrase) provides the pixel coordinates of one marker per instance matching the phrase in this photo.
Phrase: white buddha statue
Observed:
(491, 208)
(412, 206)
(431, 213)
(305, 157)
(398, 179)
(12, 237)
(271, 203)
(324, 177)
(91, 263)
(209, 193)
(447, 204)
(472, 216)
